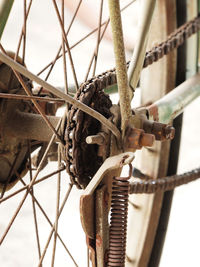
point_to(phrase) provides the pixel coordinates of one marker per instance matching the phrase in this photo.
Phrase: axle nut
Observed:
(147, 139)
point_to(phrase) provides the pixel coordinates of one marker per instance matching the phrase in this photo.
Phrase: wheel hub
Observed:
(14, 150)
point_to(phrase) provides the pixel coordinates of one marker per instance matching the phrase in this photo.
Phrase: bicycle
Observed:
(38, 134)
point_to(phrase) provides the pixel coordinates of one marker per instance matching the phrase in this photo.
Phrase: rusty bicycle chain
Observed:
(168, 183)
(91, 92)
(174, 40)
(121, 188)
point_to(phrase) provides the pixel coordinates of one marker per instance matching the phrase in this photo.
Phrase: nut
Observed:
(169, 132)
(147, 139)
(137, 138)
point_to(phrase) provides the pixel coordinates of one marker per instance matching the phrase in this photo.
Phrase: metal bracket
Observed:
(87, 199)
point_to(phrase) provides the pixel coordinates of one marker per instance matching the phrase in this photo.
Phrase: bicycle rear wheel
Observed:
(145, 239)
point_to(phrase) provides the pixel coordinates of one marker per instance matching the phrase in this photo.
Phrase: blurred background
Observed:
(43, 40)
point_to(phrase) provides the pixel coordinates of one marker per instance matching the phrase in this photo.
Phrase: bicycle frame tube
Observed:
(171, 105)
(137, 60)
(128, 82)
(5, 7)
(120, 61)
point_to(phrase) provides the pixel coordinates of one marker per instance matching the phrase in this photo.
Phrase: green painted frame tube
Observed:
(171, 105)
(5, 7)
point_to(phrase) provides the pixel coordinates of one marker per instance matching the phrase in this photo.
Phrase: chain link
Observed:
(174, 40)
(91, 92)
(163, 184)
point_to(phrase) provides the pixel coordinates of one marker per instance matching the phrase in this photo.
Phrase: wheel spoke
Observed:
(35, 183)
(53, 229)
(71, 47)
(52, 64)
(57, 209)
(95, 54)
(47, 218)
(9, 175)
(68, 59)
(29, 187)
(22, 31)
(37, 106)
(98, 37)
(63, 52)
(58, 93)
(29, 98)
(13, 218)
(33, 202)
(80, 41)
(66, 43)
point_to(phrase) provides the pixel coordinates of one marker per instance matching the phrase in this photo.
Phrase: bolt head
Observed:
(169, 132)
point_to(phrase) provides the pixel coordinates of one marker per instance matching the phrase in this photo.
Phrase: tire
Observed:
(156, 217)
(156, 253)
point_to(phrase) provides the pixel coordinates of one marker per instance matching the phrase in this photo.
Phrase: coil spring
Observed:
(118, 222)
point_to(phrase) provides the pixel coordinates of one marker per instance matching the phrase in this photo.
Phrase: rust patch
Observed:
(160, 131)
(98, 240)
(91, 246)
(106, 198)
(87, 214)
(153, 112)
(137, 138)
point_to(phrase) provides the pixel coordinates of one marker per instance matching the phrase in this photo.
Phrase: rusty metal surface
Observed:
(27, 125)
(82, 159)
(87, 215)
(92, 252)
(87, 199)
(17, 127)
(109, 164)
(137, 138)
(151, 186)
(161, 131)
(139, 52)
(79, 125)
(118, 221)
(13, 151)
(173, 41)
(120, 63)
(102, 225)
(171, 105)
(95, 205)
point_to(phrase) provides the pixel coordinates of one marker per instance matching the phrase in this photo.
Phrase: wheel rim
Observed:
(154, 161)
